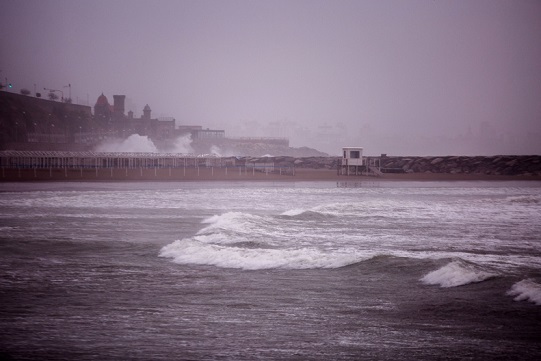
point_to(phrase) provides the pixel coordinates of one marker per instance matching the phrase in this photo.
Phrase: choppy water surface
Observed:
(267, 271)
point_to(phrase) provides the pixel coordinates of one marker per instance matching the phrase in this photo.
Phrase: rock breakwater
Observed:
(489, 165)
(506, 165)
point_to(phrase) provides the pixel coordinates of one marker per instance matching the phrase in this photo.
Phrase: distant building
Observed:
(353, 155)
(208, 134)
(102, 108)
(118, 106)
(122, 125)
(352, 161)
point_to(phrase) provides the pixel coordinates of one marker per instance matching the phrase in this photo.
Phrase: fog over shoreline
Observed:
(417, 77)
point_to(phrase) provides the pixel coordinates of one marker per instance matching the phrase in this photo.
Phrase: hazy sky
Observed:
(424, 77)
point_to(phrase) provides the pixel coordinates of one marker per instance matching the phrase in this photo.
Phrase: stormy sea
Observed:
(372, 270)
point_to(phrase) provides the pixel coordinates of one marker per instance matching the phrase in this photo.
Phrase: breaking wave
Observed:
(232, 221)
(249, 241)
(526, 290)
(336, 235)
(457, 273)
(190, 251)
(238, 227)
(134, 143)
(300, 214)
(327, 210)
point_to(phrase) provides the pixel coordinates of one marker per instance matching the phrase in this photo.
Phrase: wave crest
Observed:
(190, 251)
(325, 211)
(526, 290)
(231, 227)
(457, 273)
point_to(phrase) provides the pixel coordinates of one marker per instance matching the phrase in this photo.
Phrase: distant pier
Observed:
(46, 165)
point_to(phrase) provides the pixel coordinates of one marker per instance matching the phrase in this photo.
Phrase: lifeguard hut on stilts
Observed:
(353, 163)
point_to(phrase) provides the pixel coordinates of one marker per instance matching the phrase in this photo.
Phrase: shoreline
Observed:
(231, 175)
(317, 174)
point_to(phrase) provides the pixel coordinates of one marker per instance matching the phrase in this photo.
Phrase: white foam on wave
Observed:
(526, 290)
(229, 219)
(457, 273)
(331, 209)
(190, 251)
(232, 224)
(350, 209)
(293, 212)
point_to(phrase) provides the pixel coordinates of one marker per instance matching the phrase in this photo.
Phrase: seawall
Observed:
(284, 169)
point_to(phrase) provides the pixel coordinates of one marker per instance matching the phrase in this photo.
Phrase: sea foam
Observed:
(331, 209)
(190, 251)
(526, 290)
(457, 273)
(293, 212)
(233, 227)
(237, 221)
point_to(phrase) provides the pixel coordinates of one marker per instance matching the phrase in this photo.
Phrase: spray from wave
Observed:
(216, 150)
(222, 151)
(182, 144)
(134, 143)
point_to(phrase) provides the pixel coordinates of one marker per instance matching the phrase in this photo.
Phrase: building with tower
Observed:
(102, 109)
(113, 118)
(118, 106)
(146, 112)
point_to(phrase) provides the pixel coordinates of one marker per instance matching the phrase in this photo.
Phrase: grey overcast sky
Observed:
(402, 77)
